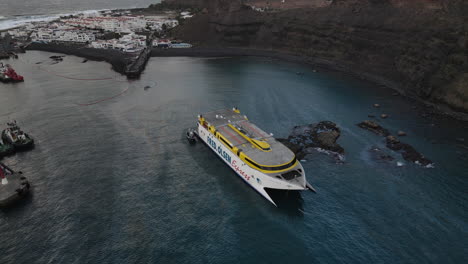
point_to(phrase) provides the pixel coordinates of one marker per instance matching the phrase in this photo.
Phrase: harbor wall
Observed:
(117, 59)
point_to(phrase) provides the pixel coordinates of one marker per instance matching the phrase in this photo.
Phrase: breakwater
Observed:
(134, 69)
(118, 60)
(130, 65)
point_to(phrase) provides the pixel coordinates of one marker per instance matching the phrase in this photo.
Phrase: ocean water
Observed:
(15, 13)
(116, 181)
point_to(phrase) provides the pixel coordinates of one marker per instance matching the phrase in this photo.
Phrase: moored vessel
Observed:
(13, 186)
(8, 74)
(15, 136)
(256, 157)
(191, 136)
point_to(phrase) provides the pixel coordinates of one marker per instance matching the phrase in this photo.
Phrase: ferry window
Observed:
(271, 168)
(224, 141)
(291, 175)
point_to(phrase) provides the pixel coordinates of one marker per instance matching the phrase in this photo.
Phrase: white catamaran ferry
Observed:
(260, 160)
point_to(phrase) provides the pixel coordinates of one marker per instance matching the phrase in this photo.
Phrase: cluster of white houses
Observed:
(134, 43)
(64, 34)
(87, 28)
(122, 24)
(128, 43)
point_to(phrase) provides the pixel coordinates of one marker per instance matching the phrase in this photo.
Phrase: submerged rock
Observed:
(380, 155)
(322, 135)
(407, 152)
(374, 127)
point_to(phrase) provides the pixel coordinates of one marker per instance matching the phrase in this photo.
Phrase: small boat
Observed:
(191, 136)
(15, 136)
(8, 74)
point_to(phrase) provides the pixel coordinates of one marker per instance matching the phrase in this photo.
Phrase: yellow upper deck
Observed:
(253, 145)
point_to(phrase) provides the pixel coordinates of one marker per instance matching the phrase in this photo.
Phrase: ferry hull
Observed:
(254, 178)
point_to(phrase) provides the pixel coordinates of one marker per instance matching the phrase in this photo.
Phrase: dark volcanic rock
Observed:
(56, 57)
(393, 143)
(322, 135)
(374, 127)
(407, 151)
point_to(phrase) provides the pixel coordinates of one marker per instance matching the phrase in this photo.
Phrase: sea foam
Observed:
(17, 21)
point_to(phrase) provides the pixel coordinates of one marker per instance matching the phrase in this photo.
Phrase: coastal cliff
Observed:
(417, 47)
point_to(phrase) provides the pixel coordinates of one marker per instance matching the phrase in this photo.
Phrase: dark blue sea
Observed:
(116, 182)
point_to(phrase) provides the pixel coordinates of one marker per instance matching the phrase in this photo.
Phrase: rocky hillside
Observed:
(418, 47)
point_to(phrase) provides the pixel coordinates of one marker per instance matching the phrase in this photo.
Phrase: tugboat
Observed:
(8, 74)
(15, 136)
(13, 186)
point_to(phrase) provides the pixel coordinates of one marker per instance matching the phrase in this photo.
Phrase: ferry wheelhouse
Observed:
(258, 158)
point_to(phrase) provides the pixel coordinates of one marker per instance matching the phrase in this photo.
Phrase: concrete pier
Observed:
(134, 69)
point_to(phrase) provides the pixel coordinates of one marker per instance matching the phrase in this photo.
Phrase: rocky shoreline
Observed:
(415, 49)
(316, 63)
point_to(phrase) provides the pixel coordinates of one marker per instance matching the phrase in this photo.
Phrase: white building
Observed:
(185, 15)
(18, 32)
(180, 46)
(128, 43)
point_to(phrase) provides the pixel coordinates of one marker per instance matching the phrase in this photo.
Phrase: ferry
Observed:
(256, 157)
